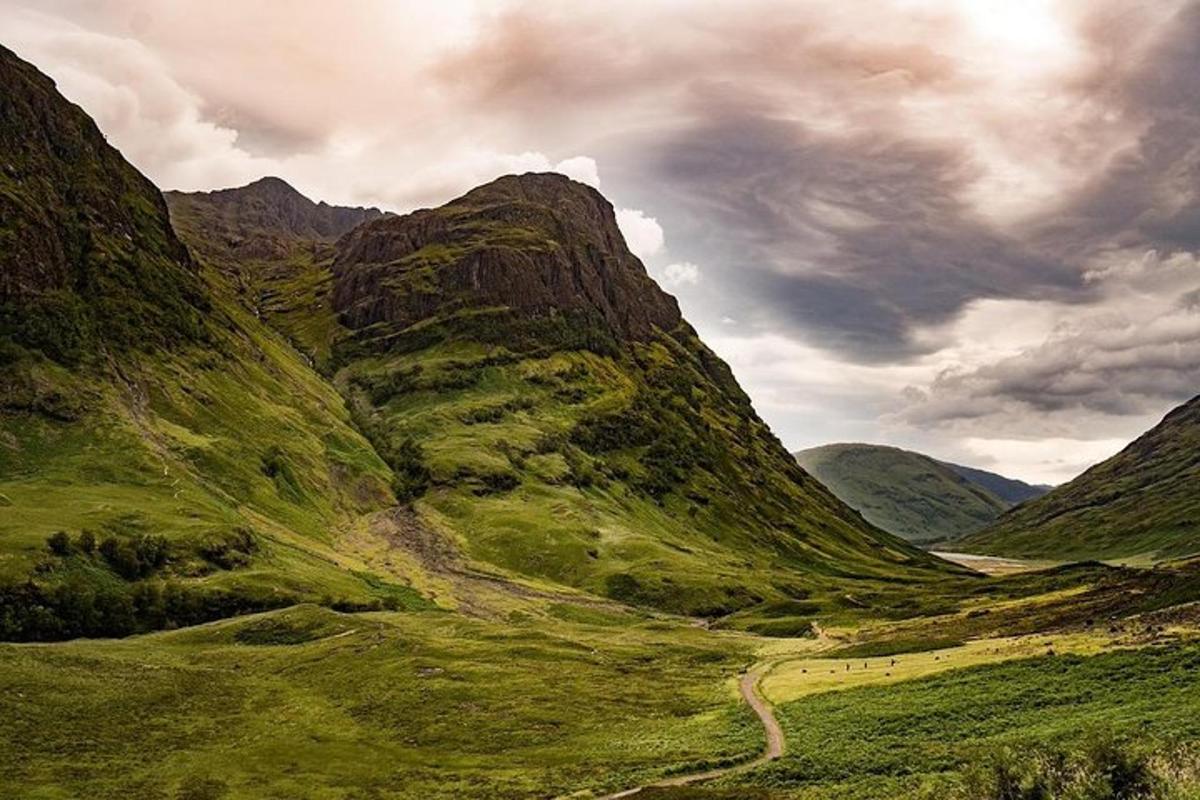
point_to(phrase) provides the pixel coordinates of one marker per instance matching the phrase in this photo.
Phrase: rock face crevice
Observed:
(539, 243)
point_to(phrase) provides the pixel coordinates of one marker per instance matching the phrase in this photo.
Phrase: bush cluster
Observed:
(32, 611)
(1103, 769)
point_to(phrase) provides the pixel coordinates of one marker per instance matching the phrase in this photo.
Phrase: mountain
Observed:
(251, 400)
(165, 458)
(1010, 490)
(1142, 503)
(266, 239)
(84, 238)
(261, 220)
(912, 495)
(547, 411)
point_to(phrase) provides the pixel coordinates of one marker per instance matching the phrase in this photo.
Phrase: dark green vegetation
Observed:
(912, 495)
(1142, 503)
(920, 738)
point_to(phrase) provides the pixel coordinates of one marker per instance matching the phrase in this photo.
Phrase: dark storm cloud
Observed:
(852, 240)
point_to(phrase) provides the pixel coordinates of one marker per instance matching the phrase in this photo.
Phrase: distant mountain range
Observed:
(912, 495)
(1142, 503)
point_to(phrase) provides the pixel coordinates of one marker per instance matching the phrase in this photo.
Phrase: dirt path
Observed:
(748, 686)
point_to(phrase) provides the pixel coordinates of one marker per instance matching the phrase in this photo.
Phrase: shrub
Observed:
(136, 557)
(230, 550)
(59, 543)
(1103, 769)
(412, 476)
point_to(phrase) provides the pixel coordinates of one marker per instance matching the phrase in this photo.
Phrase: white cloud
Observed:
(681, 273)
(1052, 460)
(580, 168)
(643, 234)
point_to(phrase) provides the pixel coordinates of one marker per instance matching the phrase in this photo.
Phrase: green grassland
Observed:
(919, 738)
(577, 700)
(309, 703)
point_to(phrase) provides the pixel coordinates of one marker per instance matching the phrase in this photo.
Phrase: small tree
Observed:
(59, 543)
(87, 542)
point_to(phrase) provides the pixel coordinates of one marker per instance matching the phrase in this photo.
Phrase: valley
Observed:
(321, 502)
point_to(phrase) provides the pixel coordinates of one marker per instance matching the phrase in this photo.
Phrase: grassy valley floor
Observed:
(566, 699)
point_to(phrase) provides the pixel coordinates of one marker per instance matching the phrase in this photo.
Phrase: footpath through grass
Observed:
(917, 738)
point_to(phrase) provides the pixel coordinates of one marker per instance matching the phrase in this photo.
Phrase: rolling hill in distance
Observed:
(916, 497)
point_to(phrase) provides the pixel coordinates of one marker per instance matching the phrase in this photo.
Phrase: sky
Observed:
(966, 227)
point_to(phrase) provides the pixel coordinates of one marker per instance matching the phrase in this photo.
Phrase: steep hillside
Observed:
(164, 457)
(271, 243)
(545, 405)
(88, 260)
(1143, 503)
(911, 495)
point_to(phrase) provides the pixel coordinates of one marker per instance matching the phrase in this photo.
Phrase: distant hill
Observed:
(1142, 502)
(912, 495)
(1010, 490)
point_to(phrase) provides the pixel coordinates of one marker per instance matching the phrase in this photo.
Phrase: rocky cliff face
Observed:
(85, 239)
(262, 220)
(537, 243)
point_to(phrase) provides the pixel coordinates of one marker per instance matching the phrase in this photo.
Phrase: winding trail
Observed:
(748, 686)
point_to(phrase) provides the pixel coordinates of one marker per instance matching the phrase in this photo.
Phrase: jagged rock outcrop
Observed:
(538, 243)
(262, 220)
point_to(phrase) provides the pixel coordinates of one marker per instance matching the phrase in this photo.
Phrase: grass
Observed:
(1138, 506)
(307, 703)
(915, 738)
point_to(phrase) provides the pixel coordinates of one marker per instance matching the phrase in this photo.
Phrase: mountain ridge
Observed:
(910, 494)
(1141, 503)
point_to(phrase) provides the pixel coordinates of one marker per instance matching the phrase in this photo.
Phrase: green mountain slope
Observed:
(1143, 502)
(909, 494)
(194, 463)
(266, 240)
(490, 403)
(548, 411)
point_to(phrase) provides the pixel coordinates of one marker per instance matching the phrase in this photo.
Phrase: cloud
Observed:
(580, 168)
(643, 234)
(681, 273)
(1128, 356)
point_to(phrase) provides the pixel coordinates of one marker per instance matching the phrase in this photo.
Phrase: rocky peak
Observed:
(538, 243)
(269, 208)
